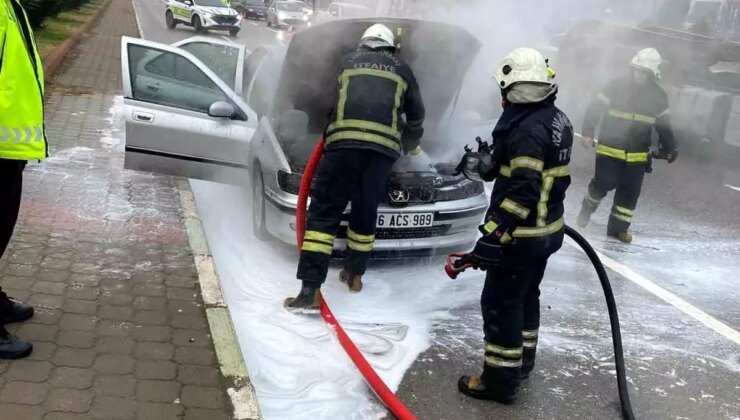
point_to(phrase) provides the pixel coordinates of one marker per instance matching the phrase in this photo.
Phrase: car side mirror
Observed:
(188, 2)
(221, 109)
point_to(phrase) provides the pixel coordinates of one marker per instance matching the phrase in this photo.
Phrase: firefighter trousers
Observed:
(510, 305)
(345, 175)
(626, 178)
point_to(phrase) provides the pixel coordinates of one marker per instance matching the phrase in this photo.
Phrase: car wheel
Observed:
(198, 25)
(259, 225)
(269, 24)
(170, 20)
(233, 32)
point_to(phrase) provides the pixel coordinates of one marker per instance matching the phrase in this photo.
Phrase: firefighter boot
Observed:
(584, 216)
(353, 281)
(624, 236)
(12, 347)
(473, 387)
(307, 301)
(13, 311)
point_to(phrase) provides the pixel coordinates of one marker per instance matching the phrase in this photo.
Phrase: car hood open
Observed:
(438, 53)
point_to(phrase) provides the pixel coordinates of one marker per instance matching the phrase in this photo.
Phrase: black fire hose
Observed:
(624, 397)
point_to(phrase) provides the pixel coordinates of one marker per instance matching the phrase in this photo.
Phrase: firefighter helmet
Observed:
(378, 36)
(648, 59)
(523, 65)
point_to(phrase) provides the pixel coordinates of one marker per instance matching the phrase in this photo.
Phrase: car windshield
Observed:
(290, 7)
(212, 3)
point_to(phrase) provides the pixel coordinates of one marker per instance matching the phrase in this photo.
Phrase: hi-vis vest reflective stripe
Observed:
(22, 134)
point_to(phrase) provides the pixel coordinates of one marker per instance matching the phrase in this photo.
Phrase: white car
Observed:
(342, 11)
(205, 108)
(203, 15)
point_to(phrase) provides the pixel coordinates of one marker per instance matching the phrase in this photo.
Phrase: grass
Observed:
(57, 29)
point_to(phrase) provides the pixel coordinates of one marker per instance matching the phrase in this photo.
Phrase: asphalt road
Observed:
(676, 287)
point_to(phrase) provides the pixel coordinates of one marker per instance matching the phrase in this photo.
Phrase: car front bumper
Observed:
(210, 22)
(454, 228)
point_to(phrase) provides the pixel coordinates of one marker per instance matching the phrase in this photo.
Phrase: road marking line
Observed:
(138, 21)
(680, 304)
(228, 39)
(253, 23)
(732, 187)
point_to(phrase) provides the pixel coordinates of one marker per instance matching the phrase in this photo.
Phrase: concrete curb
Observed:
(53, 61)
(240, 390)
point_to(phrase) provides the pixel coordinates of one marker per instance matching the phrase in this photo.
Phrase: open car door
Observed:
(181, 118)
(224, 58)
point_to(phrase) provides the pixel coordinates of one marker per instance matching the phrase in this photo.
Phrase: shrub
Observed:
(38, 10)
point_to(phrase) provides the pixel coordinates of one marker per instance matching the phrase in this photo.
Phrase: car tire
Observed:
(198, 25)
(169, 19)
(233, 32)
(269, 24)
(259, 225)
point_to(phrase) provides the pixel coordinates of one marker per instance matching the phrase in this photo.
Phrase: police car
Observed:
(203, 15)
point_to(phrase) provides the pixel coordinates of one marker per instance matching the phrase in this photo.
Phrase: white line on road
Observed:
(227, 39)
(253, 23)
(685, 307)
(732, 187)
(138, 20)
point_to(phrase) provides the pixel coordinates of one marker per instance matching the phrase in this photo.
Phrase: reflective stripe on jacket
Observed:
(629, 113)
(375, 90)
(22, 135)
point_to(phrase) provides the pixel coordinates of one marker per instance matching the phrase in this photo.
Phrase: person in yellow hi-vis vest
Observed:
(22, 138)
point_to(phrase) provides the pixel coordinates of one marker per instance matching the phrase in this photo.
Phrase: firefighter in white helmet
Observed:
(524, 223)
(630, 110)
(378, 115)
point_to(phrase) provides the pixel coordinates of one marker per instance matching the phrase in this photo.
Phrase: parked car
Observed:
(251, 9)
(254, 121)
(202, 15)
(287, 14)
(342, 11)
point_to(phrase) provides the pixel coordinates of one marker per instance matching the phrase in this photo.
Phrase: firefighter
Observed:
(366, 134)
(524, 224)
(630, 110)
(22, 138)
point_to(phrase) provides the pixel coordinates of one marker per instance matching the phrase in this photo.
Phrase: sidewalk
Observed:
(102, 253)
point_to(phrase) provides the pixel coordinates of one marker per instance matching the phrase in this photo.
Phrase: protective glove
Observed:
(671, 156)
(476, 166)
(668, 156)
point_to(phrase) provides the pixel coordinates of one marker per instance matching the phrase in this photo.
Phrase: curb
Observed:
(53, 60)
(240, 390)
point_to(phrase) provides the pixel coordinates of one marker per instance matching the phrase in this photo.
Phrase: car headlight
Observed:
(459, 191)
(305, 18)
(289, 182)
(282, 16)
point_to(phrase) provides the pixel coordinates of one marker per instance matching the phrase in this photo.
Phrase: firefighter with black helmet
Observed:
(524, 224)
(630, 110)
(378, 115)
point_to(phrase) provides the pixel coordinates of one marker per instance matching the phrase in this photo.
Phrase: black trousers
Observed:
(344, 175)
(510, 305)
(626, 178)
(11, 182)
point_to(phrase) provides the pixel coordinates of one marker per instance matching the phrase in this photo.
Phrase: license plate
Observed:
(404, 220)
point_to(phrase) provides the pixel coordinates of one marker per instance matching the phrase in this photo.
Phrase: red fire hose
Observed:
(388, 398)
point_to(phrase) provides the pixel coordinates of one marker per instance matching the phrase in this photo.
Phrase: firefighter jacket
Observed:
(375, 90)
(532, 143)
(22, 135)
(629, 114)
